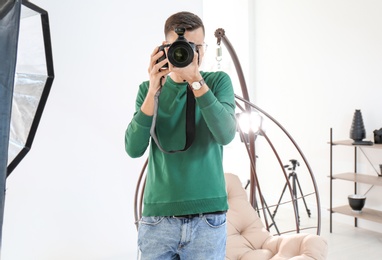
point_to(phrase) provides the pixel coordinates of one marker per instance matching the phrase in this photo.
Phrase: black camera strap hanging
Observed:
(190, 121)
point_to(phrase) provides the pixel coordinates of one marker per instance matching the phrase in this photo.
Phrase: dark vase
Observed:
(357, 130)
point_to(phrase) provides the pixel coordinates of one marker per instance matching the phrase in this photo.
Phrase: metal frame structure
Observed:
(255, 187)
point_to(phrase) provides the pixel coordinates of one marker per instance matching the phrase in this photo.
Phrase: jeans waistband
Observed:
(201, 214)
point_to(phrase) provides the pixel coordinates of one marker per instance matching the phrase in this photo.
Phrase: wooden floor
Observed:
(348, 242)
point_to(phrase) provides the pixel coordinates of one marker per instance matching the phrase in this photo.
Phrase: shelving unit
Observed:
(355, 177)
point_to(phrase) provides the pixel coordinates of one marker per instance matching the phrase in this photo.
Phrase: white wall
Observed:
(72, 195)
(315, 63)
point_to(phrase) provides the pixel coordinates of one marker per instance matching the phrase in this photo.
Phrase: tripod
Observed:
(295, 184)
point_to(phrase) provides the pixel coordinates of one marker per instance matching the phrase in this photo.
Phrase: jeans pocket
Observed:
(152, 221)
(215, 220)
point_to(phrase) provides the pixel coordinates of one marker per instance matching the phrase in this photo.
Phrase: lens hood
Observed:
(181, 53)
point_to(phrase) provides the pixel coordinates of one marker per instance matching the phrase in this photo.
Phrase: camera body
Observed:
(180, 53)
(294, 164)
(378, 136)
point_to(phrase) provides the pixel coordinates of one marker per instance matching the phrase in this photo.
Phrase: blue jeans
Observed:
(197, 238)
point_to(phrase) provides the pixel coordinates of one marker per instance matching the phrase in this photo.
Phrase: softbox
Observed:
(9, 31)
(33, 80)
(26, 76)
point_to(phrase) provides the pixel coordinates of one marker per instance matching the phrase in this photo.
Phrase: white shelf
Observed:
(360, 178)
(367, 214)
(350, 143)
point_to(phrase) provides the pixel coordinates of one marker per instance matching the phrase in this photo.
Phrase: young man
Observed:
(185, 198)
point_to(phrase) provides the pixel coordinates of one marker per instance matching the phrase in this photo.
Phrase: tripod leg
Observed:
(303, 197)
(272, 218)
(281, 196)
(294, 191)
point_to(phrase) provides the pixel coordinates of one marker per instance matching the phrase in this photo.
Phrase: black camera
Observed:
(180, 53)
(378, 136)
(294, 164)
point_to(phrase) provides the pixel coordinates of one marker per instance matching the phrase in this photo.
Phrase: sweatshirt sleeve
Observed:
(137, 134)
(218, 108)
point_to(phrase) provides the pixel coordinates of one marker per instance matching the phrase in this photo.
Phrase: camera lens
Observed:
(180, 54)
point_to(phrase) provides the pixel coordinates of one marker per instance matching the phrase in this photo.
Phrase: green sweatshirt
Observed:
(192, 181)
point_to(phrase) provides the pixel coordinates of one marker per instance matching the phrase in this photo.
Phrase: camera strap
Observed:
(190, 121)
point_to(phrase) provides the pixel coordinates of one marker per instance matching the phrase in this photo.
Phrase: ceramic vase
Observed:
(357, 130)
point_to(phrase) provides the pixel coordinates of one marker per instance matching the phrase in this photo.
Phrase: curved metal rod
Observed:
(262, 133)
(138, 208)
(299, 151)
(138, 212)
(254, 176)
(220, 35)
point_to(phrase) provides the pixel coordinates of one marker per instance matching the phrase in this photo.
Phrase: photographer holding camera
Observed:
(189, 116)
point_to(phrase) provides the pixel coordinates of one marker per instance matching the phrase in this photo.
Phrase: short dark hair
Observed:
(187, 20)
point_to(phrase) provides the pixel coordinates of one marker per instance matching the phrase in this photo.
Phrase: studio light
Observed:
(250, 122)
(26, 76)
(33, 80)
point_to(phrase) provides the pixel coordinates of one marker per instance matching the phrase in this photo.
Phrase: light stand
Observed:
(247, 123)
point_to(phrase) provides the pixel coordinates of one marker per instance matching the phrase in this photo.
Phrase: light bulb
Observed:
(250, 122)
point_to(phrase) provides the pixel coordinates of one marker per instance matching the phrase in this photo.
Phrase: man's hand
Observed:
(156, 73)
(157, 78)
